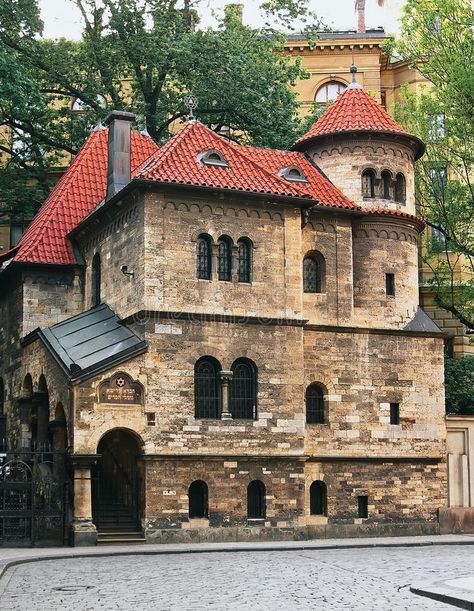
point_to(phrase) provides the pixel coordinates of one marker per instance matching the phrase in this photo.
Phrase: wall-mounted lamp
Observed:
(125, 272)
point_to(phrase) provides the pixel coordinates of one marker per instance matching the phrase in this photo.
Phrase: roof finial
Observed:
(354, 72)
(192, 103)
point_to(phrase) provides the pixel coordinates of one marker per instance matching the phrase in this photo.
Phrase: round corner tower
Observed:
(371, 159)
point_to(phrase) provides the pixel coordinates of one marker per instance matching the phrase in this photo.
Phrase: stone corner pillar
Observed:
(83, 531)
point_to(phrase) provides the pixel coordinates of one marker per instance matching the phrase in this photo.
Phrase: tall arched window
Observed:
(256, 501)
(386, 184)
(224, 258)
(400, 189)
(318, 499)
(206, 388)
(314, 273)
(329, 92)
(245, 260)
(204, 257)
(95, 281)
(198, 499)
(315, 405)
(368, 183)
(243, 390)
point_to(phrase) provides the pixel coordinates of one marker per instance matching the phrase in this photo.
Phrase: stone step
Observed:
(120, 538)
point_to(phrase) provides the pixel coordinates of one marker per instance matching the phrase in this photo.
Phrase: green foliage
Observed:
(459, 380)
(437, 39)
(145, 56)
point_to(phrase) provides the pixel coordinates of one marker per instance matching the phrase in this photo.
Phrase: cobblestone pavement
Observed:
(356, 579)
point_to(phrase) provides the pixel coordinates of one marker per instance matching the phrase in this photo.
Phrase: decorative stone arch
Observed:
(121, 423)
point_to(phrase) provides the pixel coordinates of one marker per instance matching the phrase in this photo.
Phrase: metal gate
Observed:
(33, 501)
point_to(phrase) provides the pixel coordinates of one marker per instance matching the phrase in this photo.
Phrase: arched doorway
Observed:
(116, 501)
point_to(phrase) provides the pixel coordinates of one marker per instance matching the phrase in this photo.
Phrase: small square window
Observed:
(394, 413)
(363, 506)
(390, 284)
(151, 419)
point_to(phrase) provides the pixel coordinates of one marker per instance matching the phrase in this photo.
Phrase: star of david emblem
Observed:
(120, 382)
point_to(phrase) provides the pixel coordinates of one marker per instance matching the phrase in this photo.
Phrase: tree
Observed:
(437, 39)
(459, 379)
(140, 55)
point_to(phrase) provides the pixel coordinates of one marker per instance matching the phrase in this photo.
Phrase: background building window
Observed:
(329, 92)
(256, 501)
(198, 499)
(224, 259)
(243, 390)
(318, 499)
(368, 183)
(245, 260)
(394, 413)
(400, 189)
(96, 281)
(363, 506)
(315, 405)
(314, 273)
(436, 127)
(204, 257)
(206, 388)
(386, 184)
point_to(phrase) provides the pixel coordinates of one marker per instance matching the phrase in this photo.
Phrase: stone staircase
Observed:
(117, 526)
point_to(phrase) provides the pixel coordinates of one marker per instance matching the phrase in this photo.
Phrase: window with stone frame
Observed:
(207, 389)
(204, 257)
(198, 500)
(96, 280)
(256, 500)
(243, 390)
(368, 183)
(224, 259)
(386, 184)
(315, 404)
(318, 499)
(400, 188)
(245, 260)
(314, 273)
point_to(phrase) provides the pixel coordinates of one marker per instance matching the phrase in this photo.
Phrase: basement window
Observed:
(293, 174)
(212, 158)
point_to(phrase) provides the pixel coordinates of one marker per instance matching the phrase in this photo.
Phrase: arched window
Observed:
(315, 405)
(243, 390)
(95, 281)
(245, 260)
(206, 388)
(256, 501)
(204, 257)
(224, 259)
(318, 499)
(329, 92)
(400, 189)
(386, 184)
(198, 499)
(314, 273)
(368, 183)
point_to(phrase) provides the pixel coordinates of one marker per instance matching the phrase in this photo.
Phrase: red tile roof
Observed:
(77, 193)
(354, 111)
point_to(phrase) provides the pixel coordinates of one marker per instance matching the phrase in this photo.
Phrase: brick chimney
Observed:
(360, 9)
(119, 151)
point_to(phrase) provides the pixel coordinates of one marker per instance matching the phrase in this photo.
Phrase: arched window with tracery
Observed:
(318, 499)
(329, 92)
(243, 390)
(206, 388)
(96, 280)
(314, 273)
(224, 259)
(198, 499)
(386, 184)
(400, 189)
(315, 413)
(368, 183)
(245, 260)
(204, 257)
(256, 500)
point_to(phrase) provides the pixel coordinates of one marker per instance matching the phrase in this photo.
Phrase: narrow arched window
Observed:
(243, 390)
(224, 259)
(315, 405)
(318, 499)
(386, 185)
(400, 189)
(206, 388)
(368, 183)
(198, 499)
(95, 281)
(314, 272)
(245, 260)
(256, 500)
(204, 257)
